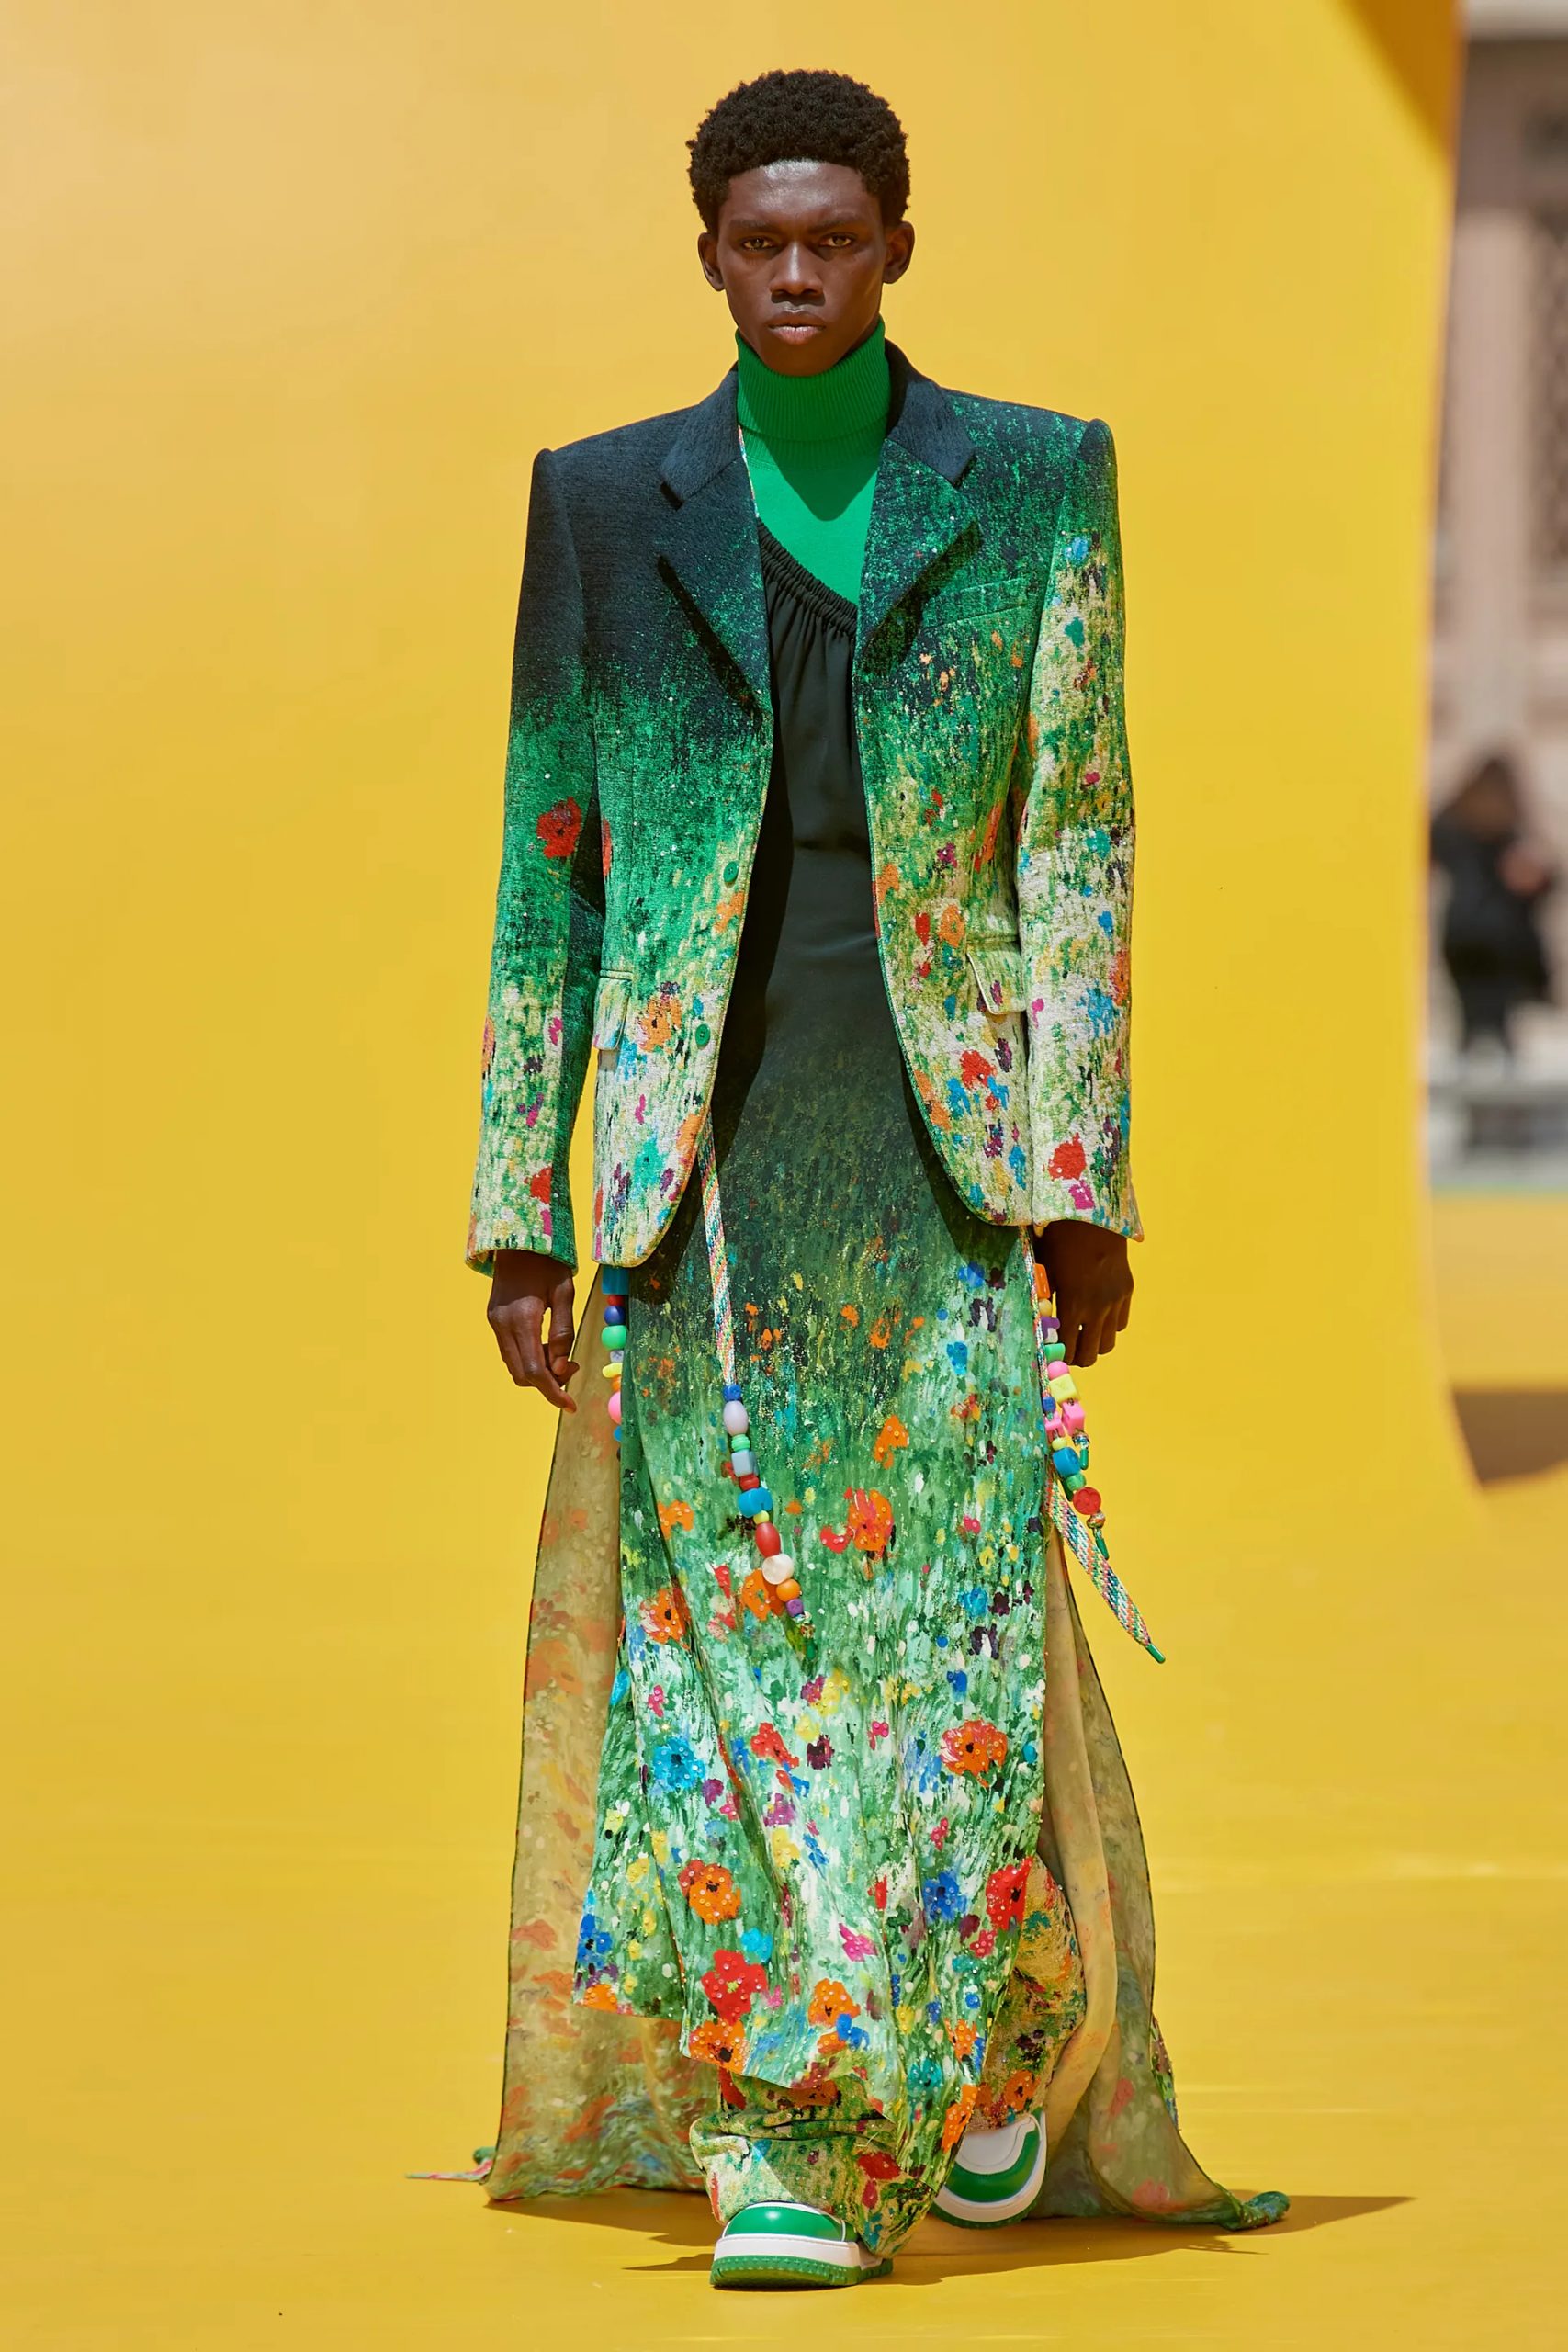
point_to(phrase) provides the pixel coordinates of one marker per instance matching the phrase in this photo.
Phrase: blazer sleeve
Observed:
(550, 914)
(1075, 865)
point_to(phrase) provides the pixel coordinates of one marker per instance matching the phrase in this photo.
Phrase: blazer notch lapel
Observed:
(709, 544)
(916, 518)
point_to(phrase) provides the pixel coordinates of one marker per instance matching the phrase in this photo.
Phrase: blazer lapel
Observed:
(709, 542)
(919, 512)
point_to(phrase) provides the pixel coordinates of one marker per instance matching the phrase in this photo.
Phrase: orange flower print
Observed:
(676, 1514)
(955, 2122)
(710, 1891)
(717, 2040)
(559, 828)
(869, 1526)
(756, 1594)
(964, 2037)
(888, 1438)
(666, 1617)
(973, 1747)
(830, 2002)
(597, 1997)
(1015, 2094)
(656, 1023)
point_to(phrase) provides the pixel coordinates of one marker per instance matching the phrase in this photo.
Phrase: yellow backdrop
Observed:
(293, 293)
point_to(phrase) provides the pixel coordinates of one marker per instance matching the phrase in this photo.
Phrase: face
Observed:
(801, 254)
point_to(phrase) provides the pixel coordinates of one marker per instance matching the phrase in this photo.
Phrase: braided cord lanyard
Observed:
(1072, 1502)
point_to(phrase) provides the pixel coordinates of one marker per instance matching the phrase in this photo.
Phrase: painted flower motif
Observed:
(1004, 1894)
(819, 1753)
(710, 1890)
(559, 828)
(719, 2040)
(869, 1526)
(974, 1747)
(889, 1439)
(1015, 2096)
(856, 1945)
(1067, 1159)
(756, 1594)
(942, 1896)
(963, 2036)
(674, 1764)
(829, 2001)
(598, 1996)
(657, 1022)
(768, 1744)
(593, 1942)
(733, 1983)
(955, 2122)
(666, 1617)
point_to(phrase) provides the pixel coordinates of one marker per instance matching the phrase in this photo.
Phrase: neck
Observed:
(850, 398)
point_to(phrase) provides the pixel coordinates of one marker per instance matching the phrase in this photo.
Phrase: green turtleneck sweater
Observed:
(812, 444)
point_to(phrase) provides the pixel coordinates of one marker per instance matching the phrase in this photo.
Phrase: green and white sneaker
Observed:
(995, 2176)
(792, 2245)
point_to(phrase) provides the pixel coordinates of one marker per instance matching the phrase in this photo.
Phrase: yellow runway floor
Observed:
(256, 1981)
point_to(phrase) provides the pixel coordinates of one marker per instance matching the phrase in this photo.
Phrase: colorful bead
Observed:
(735, 1420)
(754, 1499)
(769, 1542)
(1074, 1481)
(1065, 1459)
(789, 1590)
(615, 1281)
(743, 1462)
(615, 1338)
(778, 1567)
(612, 1406)
(610, 1372)
(1074, 1416)
(1055, 1352)
(795, 1606)
(1087, 1500)
(615, 1312)
(1064, 1387)
(747, 1481)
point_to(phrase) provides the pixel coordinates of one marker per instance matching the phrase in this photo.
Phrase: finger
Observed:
(1108, 1327)
(562, 1303)
(1124, 1313)
(526, 1317)
(502, 1324)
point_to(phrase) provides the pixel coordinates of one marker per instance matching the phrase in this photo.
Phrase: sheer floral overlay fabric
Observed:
(599, 2094)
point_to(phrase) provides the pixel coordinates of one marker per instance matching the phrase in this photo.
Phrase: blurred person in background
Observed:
(1498, 880)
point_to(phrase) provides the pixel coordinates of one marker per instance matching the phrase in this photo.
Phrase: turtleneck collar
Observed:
(851, 398)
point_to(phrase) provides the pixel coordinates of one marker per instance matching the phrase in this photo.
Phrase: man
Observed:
(819, 831)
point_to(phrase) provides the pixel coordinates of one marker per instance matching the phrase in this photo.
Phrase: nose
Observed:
(796, 276)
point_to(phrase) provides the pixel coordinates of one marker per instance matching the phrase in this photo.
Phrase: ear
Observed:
(900, 252)
(708, 257)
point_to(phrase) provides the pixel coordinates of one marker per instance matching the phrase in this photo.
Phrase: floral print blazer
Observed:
(989, 706)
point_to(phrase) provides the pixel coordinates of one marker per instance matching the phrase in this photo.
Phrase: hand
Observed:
(524, 1285)
(1089, 1274)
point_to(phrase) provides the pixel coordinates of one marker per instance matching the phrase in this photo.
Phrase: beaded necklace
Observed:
(1074, 1505)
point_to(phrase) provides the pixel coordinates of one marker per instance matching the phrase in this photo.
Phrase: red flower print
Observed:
(1067, 1159)
(877, 2165)
(541, 1180)
(974, 1068)
(733, 1983)
(1004, 1894)
(768, 1744)
(973, 1747)
(559, 828)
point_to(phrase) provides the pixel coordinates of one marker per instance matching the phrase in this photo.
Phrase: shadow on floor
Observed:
(936, 2250)
(1513, 1432)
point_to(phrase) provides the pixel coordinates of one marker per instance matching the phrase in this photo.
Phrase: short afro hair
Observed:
(800, 118)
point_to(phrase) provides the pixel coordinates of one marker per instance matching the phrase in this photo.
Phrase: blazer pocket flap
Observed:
(610, 1008)
(998, 976)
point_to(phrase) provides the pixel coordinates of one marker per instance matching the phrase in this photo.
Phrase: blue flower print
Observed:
(942, 1896)
(675, 1766)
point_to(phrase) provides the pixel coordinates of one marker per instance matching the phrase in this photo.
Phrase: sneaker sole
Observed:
(793, 2262)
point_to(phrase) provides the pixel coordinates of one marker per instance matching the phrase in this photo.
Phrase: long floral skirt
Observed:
(842, 1892)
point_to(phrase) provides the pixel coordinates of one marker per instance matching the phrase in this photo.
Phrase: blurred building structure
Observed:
(1500, 607)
